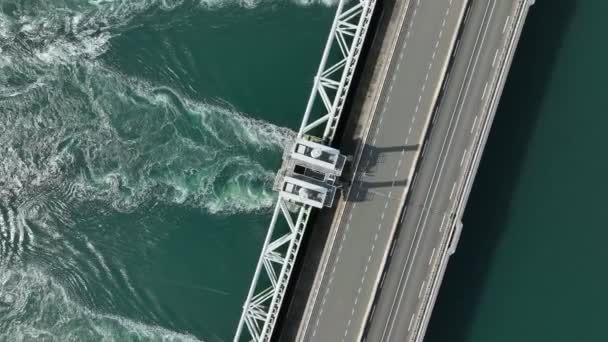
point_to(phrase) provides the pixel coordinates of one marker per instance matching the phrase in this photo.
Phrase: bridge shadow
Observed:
(487, 213)
(373, 156)
(365, 190)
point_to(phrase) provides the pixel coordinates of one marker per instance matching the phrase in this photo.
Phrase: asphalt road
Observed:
(429, 215)
(356, 259)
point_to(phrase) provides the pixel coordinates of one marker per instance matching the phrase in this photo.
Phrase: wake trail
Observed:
(35, 307)
(82, 142)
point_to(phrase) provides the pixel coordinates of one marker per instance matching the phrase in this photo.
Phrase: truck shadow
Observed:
(488, 210)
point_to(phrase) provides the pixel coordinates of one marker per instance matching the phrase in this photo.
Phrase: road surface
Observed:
(342, 300)
(430, 213)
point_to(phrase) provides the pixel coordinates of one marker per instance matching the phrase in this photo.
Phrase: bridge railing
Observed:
(324, 107)
(450, 241)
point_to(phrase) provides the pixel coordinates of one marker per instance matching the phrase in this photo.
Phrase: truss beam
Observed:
(330, 87)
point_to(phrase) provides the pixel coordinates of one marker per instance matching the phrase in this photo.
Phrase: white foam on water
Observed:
(53, 33)
(245, 129)
(21, 235)
(5, 248)
(112, 141)
(227, 130)
(145, 143)
(250, 4)
(327, 3)
(21, 223)
(132, 290)
(100, 259)
(35, 306)
(238, 196)
(64, 51)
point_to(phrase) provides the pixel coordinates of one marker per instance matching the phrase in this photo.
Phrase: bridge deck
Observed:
(436, 200)
(355, 259)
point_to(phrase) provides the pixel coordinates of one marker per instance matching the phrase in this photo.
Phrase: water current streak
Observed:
(90, 159)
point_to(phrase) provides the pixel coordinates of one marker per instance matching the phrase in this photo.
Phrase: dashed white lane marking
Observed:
(506, 22)
(464, 154)
(494, 59)
(474, 123)
(441, 225)
(432, 255)
(409, 327)
(421, 288)
(453, 188)
(369, 258)
(483, 94)
(396, 172)
(426, 78)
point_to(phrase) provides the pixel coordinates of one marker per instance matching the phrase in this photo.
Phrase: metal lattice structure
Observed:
(330, 88)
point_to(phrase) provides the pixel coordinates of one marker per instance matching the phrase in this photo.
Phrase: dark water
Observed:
(138, 143)
(531, 265)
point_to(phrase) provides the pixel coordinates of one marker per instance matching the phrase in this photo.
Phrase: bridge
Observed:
(397, 200)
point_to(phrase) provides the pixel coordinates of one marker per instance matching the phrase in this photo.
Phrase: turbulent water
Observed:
(138, 143)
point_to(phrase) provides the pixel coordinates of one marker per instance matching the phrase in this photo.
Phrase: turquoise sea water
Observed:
(138, 144)
(531, 264)
(138, 140)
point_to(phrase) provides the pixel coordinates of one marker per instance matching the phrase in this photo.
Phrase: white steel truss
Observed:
(330, 88)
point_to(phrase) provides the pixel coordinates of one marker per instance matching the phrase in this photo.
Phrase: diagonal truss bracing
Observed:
(333, 78)
(324, 107)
